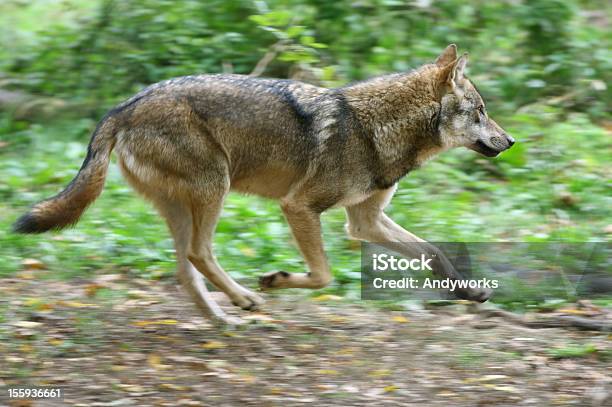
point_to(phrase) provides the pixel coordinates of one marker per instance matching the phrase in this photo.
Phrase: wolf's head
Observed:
(463, 120)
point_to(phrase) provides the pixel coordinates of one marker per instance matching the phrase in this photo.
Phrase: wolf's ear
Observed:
(453, 74)
(447, 56)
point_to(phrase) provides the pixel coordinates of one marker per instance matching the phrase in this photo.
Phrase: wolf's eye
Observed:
(481, 114)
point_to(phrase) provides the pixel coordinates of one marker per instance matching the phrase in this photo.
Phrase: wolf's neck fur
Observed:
(399, 112)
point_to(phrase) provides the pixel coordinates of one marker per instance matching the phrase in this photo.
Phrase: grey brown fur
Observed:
(186, 143)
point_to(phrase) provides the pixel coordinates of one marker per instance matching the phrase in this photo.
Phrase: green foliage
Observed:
(576, 351)
(521, 51)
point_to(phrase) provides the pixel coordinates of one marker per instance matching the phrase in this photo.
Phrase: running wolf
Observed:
(185, 143)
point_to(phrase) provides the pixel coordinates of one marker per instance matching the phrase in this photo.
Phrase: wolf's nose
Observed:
(510, 140)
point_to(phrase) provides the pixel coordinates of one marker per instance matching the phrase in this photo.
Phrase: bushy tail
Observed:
(65, 208)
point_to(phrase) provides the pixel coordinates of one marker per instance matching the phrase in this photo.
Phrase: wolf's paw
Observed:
(474, 294)
(273, 279)
(255, 298)
(248, 302)
(228, 320)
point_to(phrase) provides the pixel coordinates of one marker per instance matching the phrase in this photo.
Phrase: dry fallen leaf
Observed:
(189, 361)
(337, 319)
(14, 359)
(328, 371)
(327, 297)
(33, 264)
(76, 304)
(155, 362)
(137, 294)
(30, 302)
(506, 388)
(92, 289)
(379, 373)
(187, 402)
(213, 345)
(131, 388)
(157, 322)
(400, 319)
(27, 324)
(26, 275)
(170, 386)
(45, 307)
(247, 379)
(25, 348)
(258, 317)
(573, 311)
(485, 378)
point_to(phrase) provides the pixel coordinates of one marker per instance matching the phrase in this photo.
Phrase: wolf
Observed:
(185, 143)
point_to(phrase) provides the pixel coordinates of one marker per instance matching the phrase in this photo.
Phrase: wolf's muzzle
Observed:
(482, 148)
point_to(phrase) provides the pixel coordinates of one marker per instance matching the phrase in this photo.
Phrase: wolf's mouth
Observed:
(483, 149)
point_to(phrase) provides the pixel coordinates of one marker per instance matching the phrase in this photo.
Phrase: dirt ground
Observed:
(114, 341)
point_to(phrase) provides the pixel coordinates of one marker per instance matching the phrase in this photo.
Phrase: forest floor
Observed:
(118, 341)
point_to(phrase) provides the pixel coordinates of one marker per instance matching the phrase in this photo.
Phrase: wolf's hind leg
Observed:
(204, 215)
(179, 221)
(306, 228)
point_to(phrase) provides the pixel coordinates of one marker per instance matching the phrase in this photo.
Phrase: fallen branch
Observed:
(25, 106)
(557, 321)
(268, 58)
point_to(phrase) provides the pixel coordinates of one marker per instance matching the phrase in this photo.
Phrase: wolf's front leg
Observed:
(306, 228)
(367, 221)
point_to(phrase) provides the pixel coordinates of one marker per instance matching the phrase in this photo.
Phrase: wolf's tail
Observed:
(65, 208)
